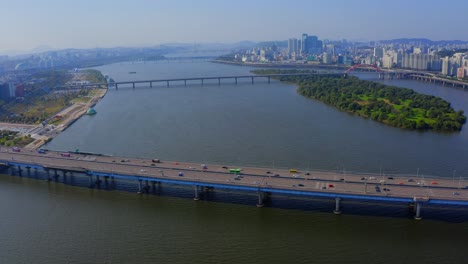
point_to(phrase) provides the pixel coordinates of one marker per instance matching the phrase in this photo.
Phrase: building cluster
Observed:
(422, 55)
(12, 86)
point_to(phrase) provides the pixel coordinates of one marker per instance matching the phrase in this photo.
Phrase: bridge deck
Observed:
(365, 186)
(197, 79)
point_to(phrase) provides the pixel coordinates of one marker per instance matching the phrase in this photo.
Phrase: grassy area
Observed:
(13, 138)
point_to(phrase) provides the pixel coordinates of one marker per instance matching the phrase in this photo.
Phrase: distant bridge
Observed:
(202, 80)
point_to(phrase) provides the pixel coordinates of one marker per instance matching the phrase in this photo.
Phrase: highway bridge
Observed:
(415, 190)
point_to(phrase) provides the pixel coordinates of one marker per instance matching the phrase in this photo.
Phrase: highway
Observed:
(367, 186)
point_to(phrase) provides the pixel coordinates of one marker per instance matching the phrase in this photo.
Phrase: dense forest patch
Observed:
(395, 106)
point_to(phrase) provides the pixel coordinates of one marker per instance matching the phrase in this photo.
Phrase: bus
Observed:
(235, 171)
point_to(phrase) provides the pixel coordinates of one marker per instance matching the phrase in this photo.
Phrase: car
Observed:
(386, 189)
(224, 167)
(142, 170)
(390, 178)
(276, 175)
(300, 185)
(268, 172)
(181, 174)
(363, 179)
(41, 151)
(16, 149)
(410, 180)
(307, 173)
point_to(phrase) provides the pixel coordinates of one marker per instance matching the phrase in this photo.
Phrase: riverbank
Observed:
(43, 134)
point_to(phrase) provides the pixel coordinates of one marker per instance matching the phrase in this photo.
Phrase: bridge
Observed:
(200, 80)
(148, 174)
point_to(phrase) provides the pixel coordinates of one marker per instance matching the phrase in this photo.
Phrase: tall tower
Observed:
(304, 46)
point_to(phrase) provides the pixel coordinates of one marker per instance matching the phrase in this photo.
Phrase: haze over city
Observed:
(91, 24)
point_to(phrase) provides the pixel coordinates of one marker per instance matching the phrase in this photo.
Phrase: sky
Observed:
(28, 24)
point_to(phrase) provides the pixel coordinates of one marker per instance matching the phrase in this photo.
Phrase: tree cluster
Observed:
(395, 106)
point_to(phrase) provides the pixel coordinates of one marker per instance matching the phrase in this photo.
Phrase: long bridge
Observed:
(147, 174)
(200, 80)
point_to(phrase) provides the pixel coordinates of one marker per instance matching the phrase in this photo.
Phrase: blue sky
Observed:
(27, 24)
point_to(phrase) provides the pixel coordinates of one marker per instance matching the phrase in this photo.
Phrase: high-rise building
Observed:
(461, 73)
(424, 62)
(379, 52)
(387, 61)
(5, 91)
(445, 66)
(327, 58)
(304, 43)
(19, 91)
(293, 46)
(311, 45)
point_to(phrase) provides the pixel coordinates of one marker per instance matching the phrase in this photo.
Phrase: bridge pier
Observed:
(90, 181)
(55, 174)
(417, 216)
(219, 81)
(48, 174)
(252, 80)
(185, 83)
(260, 199)
(197, 194)
(235, 79)
(167, 84)
(133, 85)
(35, 172)
(139, 186)
(146, 186)
(337, 206)
(20, 171)
(28, 169)
(202, 82)
(116, 86)
(151, 84)
(98, 181)
(269, 79)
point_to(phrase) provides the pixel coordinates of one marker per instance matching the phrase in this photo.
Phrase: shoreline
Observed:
(71, 113)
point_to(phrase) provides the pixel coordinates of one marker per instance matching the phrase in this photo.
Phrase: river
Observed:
(261, 124)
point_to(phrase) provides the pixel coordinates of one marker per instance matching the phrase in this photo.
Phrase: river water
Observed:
(261, 124)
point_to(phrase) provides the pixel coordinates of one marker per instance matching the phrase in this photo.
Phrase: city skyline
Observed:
(89, 24)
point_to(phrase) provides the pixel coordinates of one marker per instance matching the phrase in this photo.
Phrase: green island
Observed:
(394, 106)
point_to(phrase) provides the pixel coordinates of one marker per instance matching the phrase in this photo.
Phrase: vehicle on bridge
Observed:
(42, 151)
(16, 149)
(65, 154)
